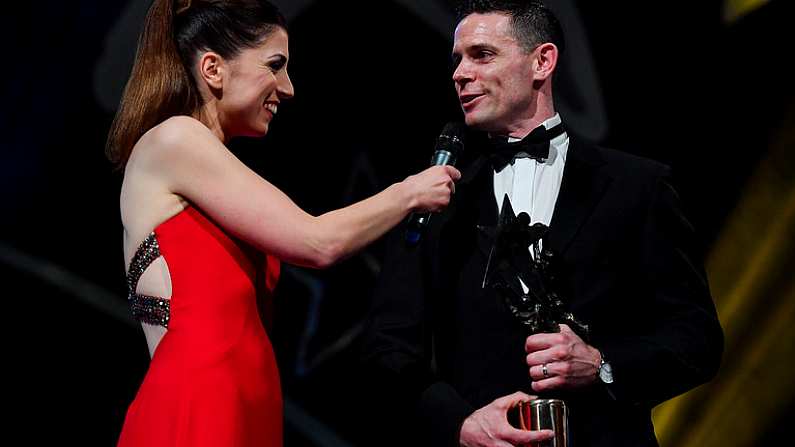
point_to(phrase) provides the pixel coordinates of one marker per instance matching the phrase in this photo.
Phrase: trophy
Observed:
(538, 309)
(546, 414)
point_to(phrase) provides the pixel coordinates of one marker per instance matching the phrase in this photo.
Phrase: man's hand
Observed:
(561, 360)
(489, 427)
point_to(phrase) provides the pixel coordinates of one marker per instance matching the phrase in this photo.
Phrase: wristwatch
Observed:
(605, 371)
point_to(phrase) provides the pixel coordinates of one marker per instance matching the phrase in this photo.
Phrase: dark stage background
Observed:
(704, 86)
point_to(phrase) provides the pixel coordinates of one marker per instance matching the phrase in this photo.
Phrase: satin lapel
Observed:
(583, 185)
(473, 202)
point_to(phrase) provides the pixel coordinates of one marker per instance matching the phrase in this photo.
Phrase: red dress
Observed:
(213, 379)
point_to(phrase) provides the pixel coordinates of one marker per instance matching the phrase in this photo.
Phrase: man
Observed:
(449, 348)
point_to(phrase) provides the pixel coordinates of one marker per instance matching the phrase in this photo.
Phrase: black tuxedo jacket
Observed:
(443, 346)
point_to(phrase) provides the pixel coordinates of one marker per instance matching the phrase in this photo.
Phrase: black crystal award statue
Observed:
(538, 309)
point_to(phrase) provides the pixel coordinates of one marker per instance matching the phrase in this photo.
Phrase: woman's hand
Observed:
(430, 190)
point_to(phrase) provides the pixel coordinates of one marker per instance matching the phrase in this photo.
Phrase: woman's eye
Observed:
(277, 64)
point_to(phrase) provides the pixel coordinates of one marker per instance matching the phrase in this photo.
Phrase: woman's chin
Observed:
(259, 131)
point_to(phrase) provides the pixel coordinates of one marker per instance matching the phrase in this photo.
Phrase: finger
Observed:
(537, 342)
(537, 372)
(453, 172)
(549, 355)
(553, 369)
(516, 436)
(551, 383)
(512, 400)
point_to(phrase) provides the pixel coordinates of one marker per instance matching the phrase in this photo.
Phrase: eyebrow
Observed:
(482, 46)
(473, 48)
(277, 58)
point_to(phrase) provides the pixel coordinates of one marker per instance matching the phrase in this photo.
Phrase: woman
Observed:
(202, 231)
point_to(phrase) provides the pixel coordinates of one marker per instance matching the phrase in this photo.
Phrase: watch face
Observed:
(606, 373)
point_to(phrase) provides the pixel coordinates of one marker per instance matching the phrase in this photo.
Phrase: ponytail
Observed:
(159, 86)
(175, 32)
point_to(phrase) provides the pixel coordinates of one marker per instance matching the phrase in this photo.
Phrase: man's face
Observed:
(493, 74)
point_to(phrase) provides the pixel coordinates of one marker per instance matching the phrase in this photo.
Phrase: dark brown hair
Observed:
(175, 32)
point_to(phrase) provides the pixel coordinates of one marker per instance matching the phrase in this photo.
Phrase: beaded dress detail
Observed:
(212, 380)
(145, 308)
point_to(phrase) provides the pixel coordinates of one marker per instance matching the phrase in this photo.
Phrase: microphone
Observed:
(449, 146)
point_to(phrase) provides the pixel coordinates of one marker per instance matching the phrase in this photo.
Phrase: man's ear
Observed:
(545, 60)
(212, 69)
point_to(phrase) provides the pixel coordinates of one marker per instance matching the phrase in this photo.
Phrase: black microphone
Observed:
(449, 146)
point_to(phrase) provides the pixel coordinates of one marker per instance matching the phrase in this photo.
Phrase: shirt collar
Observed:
(557, 146)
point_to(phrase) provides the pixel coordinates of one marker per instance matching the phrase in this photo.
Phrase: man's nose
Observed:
(462, 74)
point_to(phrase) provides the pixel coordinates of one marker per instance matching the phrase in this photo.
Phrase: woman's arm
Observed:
(195, 165)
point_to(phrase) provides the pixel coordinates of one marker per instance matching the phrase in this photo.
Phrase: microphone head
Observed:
(452, 138)
(454, 128)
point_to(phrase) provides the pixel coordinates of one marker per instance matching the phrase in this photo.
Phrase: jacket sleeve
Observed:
(397, 347)
(684, 345)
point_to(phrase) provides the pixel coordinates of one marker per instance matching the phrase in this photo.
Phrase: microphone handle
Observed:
(442, 157)
(416, 226)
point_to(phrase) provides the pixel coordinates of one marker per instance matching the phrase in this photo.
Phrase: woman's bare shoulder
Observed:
(178, 142)
(177, 133)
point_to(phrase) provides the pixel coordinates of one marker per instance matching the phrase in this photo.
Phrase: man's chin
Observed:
(479, 123)
(473, 121)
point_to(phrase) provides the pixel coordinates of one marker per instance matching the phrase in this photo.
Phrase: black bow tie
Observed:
(535, 145)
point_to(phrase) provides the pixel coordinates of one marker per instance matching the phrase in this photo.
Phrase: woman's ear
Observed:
(212, 69)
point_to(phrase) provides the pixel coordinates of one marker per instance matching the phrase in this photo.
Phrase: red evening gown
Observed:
(213, 379)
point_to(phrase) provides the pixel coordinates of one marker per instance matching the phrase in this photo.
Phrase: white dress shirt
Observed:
(533, 186)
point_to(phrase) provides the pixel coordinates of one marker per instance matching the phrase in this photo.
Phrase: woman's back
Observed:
(145, 202)
(213, 375)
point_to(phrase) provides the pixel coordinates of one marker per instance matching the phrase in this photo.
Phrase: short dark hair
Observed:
(532, 22)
